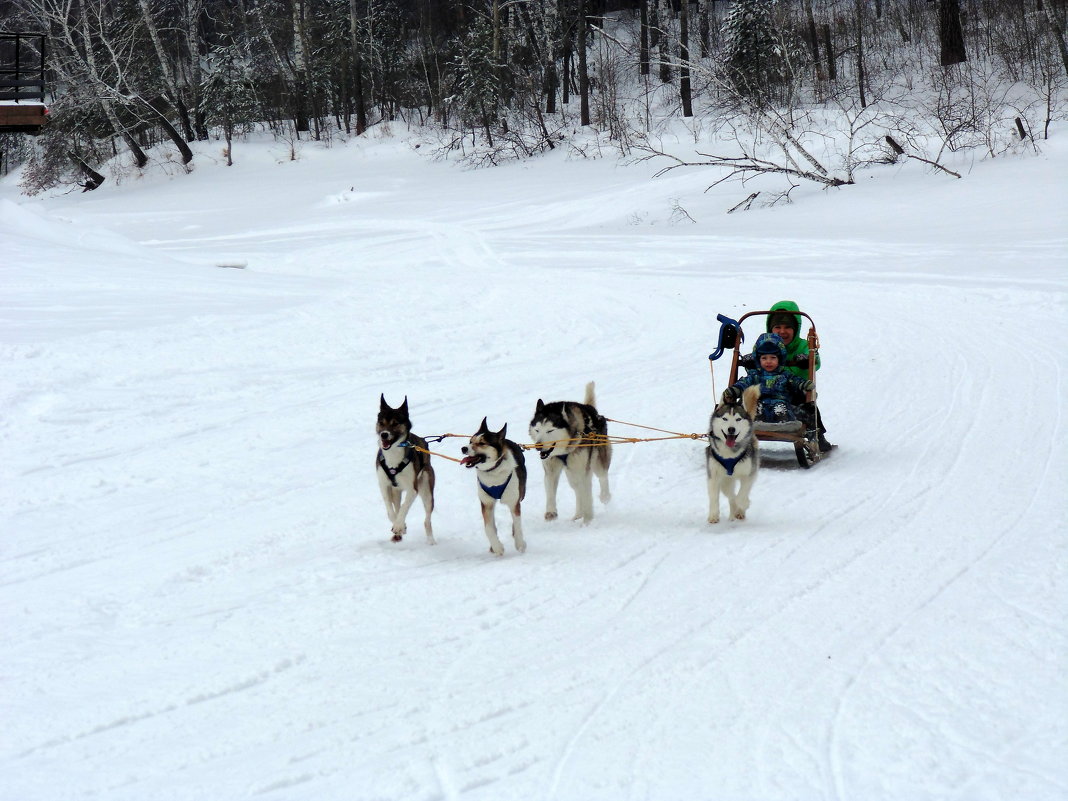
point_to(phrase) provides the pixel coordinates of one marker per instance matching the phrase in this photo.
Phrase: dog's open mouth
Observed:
(473, 459)
(545, 453)
(386, 443)
(731, 441)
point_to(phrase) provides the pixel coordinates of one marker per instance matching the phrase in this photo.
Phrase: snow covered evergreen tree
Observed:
(752, 57)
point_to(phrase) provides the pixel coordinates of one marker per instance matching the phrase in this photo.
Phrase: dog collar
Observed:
(496, 492)
(728, 464)
(393, 471)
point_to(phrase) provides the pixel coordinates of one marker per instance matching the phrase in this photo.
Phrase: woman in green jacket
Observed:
(784, 320)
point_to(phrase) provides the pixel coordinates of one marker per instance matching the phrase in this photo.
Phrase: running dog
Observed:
(732, 458)
(502, 476)
(403, 470)
(572, 439)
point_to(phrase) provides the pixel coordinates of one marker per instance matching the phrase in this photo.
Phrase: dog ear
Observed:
(541, 405)
(483, 429)
(404, 407)
(503, 432)
(382, 405)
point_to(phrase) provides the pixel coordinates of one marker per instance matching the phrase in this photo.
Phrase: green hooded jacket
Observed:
(798, 347)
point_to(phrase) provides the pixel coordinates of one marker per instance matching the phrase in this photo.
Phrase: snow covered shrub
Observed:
(70, 140)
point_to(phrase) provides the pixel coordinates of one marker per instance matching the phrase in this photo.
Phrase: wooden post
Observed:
(813, 350)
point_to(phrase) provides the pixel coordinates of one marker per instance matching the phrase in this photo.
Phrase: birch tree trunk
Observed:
(684, 59)
(191, 30)
(106, 103)
(300, 68)
(166, 70)
(1058, 31)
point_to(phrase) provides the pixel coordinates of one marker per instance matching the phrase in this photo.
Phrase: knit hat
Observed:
(770, 345)
(782, 318)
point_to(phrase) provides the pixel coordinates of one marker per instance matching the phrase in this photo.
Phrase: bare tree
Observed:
(684, 59)
(583, 72)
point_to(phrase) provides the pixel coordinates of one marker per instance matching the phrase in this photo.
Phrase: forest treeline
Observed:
(502, 79)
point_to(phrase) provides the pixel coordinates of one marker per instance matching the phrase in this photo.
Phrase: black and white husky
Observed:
(572, 439)
(732, 457)
(502, 476)
(403, 471)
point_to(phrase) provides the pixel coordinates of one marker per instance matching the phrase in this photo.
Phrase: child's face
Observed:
(769, 362)
(784, 331)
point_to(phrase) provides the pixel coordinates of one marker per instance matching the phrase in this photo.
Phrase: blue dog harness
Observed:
(497, 492)
(728, 464)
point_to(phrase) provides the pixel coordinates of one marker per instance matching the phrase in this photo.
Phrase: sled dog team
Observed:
(570, 438)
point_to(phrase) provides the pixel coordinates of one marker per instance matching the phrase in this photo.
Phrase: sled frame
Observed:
(805, 441)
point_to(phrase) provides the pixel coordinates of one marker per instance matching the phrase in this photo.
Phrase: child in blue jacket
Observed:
(776, 383)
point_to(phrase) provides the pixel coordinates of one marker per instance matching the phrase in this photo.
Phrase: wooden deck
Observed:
(23, 117)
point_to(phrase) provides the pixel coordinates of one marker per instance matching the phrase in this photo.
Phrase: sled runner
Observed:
(803, 433)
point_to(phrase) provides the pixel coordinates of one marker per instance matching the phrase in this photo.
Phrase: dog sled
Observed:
(803, 434)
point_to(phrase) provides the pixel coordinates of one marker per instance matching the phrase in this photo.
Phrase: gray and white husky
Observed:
(502, 476)
(732, 457)
(403, 470)
(571, 438)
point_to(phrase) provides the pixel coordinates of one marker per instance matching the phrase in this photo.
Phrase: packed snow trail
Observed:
(199, 593)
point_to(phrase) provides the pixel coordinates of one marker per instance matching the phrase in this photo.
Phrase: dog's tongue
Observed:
(469, 461)
(731, 442)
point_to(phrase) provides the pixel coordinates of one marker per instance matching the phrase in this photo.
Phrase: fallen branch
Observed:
(901, 152)
(749, 165)
(747, 203)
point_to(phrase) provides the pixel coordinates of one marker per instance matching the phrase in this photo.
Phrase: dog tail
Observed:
(590, 400)
(750, 399)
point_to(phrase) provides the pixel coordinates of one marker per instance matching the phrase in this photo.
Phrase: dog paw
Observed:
(430, 540)
(606, 497)
(739, 515)
(397, 537)
(398, 532)
(497, 550)
(713, 520)
(521, 546)
(550, 515)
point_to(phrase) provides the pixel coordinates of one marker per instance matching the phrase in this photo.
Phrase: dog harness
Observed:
(393, 471)
(728, 464)
(497, 492)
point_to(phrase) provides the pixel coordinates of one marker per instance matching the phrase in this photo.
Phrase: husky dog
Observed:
(403, 470)
(731, 457)
(502, 476)
(571, 438)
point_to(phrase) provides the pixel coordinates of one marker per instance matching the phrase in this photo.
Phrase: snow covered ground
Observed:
(200, 599)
